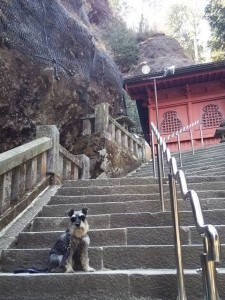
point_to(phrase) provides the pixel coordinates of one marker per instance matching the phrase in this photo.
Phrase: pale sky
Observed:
(157, 14)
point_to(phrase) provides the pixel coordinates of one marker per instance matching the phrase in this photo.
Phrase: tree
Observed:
(120, 8)
(123, 44)
(184, 23)
(215, 14)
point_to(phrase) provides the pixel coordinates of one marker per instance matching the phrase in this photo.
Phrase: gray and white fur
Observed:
(70, 251)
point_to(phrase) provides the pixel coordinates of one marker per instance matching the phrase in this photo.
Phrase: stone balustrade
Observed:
(34, 164)
(125, 139)
(102, 122)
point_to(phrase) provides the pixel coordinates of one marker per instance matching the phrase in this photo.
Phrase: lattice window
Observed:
(170, 122)
(211, 116)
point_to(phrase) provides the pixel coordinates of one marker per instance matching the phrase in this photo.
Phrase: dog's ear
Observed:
(84, 210)
(70, 213)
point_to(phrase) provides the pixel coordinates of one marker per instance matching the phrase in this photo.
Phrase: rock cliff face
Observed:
(160, 51)
(52, 69)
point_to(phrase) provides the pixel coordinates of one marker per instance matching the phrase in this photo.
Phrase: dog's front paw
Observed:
(89, 269)
(69, 270)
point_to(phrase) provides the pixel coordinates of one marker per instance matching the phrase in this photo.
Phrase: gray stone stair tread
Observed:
(103, 285)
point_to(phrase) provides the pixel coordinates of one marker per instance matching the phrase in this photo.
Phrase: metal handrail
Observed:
(179, 132)
(183, 129)
(208, 232)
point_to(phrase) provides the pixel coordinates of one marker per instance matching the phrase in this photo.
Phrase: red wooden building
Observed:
(193, 93)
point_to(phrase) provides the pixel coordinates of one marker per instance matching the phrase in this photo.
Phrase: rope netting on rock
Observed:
(45, 31)
(51, 32)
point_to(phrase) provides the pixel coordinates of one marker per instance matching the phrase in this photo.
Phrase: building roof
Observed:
(186, 75)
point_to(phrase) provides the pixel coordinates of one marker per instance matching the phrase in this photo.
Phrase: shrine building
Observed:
(193, 93)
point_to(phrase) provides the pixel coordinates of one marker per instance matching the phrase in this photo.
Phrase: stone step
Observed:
(206, 149)
(104, 285)
(200, 162)
(103, 208)
(201, 156)
(205, 173)
(190, 167)
(60, 199)
(70, 199)
(60, 210)
(161, 235)
(109, 182)
(113, 257)
(192, 173)
(199, 179)
(105, 190)
(120, 220)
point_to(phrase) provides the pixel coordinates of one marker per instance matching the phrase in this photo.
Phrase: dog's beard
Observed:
(81, 230)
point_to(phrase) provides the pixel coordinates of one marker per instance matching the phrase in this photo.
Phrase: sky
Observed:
(158, 14)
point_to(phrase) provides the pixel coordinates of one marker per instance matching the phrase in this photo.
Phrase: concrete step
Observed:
(109, 182)
(104, 285)
(207, 149)
(200, 156)
(161, 235)
(120, 220)
(205, 173)
(113, 257)
(199, 179)
(200, 168)
(103, 208)
(62, 199)
(105, 190)
(60, 210)
(200, 162)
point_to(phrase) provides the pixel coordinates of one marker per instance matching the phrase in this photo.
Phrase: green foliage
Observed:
(184, 23)
(215, 14)
(119, 7)
(123, 44)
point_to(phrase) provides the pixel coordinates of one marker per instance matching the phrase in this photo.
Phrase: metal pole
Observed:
(209, 273)
(159, 156)
(177, 241)
(159, 163)
(156, 105)
(201, 134)
(153, 153)
(192, 142)
(179, 149)
(163, 165)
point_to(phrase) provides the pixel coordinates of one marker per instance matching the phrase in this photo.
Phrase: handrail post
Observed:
(153, 152)
(177, 240)
(209, 273)
(211, 253)
(159, 163)
(192, 142)
(179, 149)
(163, 165)
(201, 135)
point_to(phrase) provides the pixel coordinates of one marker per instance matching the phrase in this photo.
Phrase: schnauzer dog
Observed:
(70, 251)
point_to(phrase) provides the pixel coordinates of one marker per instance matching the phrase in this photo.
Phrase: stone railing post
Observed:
(101, 117)
(131, 145)
(112, 130)
(86, 126)
(118, 136)
(52, 132)
(86, 165)
(125, 141)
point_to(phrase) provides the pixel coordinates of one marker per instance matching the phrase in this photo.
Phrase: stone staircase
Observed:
(131, 240)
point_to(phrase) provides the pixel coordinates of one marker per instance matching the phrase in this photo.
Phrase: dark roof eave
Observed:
(180, 71)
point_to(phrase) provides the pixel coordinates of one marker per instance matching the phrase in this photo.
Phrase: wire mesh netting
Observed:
(51, 32)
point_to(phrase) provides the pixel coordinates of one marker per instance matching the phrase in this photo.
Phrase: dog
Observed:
(70, 251)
